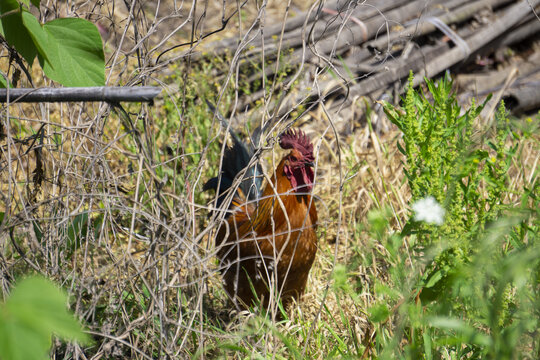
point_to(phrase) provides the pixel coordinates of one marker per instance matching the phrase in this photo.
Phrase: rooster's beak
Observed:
(310, 164)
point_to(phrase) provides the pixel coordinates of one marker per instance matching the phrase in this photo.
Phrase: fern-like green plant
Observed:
(464, 170)
(473, 291)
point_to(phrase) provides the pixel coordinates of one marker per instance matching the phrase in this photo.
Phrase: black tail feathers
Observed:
(236, 159)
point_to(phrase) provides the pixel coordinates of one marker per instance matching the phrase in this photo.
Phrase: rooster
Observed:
(267, 243)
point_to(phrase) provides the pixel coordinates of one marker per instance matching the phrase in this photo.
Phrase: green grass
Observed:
(400, 288)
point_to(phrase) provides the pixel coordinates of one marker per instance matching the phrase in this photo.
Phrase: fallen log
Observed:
(525, 97)
(319, 24)
(331, 46)
(387, 73)
(447, 58)
(423, 27)
(511, 17)
(483, 83)
(371, 67)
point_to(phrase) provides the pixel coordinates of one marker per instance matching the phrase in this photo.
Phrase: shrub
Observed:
(470, 288)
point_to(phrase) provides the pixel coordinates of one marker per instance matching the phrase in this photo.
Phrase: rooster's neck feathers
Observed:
(238, 159)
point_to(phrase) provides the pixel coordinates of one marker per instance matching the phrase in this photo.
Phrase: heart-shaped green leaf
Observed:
(75, 53)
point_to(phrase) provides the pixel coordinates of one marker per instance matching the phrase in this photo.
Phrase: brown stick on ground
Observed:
(457, 15)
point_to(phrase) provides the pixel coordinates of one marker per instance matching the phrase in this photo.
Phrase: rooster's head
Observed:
(299, 162)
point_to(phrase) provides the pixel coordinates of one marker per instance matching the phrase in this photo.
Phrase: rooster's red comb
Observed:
(291, 139)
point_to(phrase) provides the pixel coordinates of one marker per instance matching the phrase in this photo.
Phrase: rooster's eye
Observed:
(293, 158)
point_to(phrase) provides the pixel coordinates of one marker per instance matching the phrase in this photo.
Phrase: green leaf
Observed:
(427, 346)
(35, 310)
(18, 342)
(77, 231)
(3, 83)
(76, 53)
(15, 32)
(466, 333)
(340, 277)
(35, 3)
(39, 36)
(42, 306)
(379, 313)
(434, 278)
(400, 148)
(37, 231)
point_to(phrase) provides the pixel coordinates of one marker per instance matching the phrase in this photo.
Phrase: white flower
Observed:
(428, 210)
